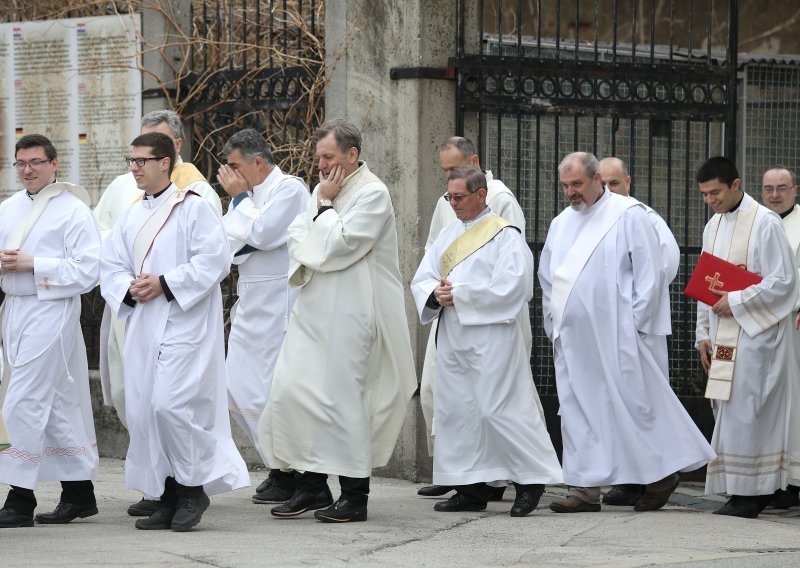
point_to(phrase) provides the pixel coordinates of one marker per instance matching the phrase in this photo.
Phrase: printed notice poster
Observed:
(77, 81)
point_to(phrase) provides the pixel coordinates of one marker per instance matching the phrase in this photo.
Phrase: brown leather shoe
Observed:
(573, 504)
(653, 500)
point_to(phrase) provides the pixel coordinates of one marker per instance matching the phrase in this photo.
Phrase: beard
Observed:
(579, 207)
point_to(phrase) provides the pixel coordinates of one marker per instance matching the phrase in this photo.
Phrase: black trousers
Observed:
(283, 479)
(75, 492)
(354, 489)
(479, 492)
(173, 490)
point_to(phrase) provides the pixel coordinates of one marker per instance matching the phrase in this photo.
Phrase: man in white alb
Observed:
(476, 278)
(49, 253)
(264, 201)
(345, 373)
(116, 199)
(614, 175)
(744, 342)
(606, 311)
(456, 152)
(161, 268)
(779, 192)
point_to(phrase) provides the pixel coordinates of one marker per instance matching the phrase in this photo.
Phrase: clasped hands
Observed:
(15, 261)
(145, 287)
(443, 293)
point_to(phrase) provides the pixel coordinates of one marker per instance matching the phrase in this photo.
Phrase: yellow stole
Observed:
(185, 173)
(470, 241)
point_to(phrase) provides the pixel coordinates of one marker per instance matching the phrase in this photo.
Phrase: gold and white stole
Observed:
(470, 241)
(566, 274)
(726, 341)
(152, 226)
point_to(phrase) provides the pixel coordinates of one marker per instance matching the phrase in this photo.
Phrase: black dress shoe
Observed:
(66, 512)
(264, 485)
(160, 520)
(11, 519)
(496, 493)
(623, 495)
(527, 499)
(434, 490)
(303, 501)
(745, 507)
(143, 508)
(784, 499)
(457, 503)
(273, 494)
(189, 511)
(343, 511)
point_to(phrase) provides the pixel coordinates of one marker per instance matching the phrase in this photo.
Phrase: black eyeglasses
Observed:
(140, 162)
(20, 165)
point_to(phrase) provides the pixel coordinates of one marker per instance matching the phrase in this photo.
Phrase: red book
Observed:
(715, 274)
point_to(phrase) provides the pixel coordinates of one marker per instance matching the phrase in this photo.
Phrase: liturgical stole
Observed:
(149, 231)
(470, 241)
(726, 342)
(565, 276)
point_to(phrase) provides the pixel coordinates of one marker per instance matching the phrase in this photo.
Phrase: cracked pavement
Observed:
(403, 530)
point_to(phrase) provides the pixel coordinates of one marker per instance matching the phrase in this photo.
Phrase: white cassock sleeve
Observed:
(759, 307)
(424, 283)
(116, 271)
(670, 251)
(546, 282)
(332, 243)
(651, 309)
(209, 256)
(78, 272)
(266, 228)
(500, 298)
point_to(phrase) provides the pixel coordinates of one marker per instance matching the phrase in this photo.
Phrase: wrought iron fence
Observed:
(658, 91)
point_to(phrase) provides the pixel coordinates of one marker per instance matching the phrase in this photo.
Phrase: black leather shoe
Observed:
(623, 495)
(457, 503)
(342, 511)
(303, 501)
(143, 508)
(273, 494)
(496, 493)
(434, 490)
(527, 499)
(264, 485)
(740, 506)
(11, 519)
(66, 512)
(189, 511)
(160, 520)
(784, 499)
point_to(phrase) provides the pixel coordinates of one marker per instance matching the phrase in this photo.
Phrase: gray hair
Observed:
(473, 177)
(586, 159)
(250, 144)
(782, 167)
(171, 117)
(345, 133)
(464, 146)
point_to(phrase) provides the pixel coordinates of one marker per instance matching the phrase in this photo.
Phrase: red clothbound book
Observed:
(713, 274)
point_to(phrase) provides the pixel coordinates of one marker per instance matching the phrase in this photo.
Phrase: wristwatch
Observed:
(325, 203)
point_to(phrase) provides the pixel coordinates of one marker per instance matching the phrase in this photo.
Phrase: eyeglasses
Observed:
(20, 165)
(777, 189)
(457, 198)
(140, 162)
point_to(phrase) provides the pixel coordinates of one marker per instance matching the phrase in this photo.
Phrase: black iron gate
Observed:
(538, 80)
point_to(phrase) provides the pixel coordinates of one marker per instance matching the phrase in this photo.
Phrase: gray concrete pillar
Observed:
(402, 121)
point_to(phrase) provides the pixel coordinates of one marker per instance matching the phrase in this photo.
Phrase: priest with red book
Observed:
(744, 343)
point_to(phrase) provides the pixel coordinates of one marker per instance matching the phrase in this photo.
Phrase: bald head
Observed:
(615, 176)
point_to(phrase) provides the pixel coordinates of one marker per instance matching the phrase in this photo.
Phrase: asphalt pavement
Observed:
(404, 530)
